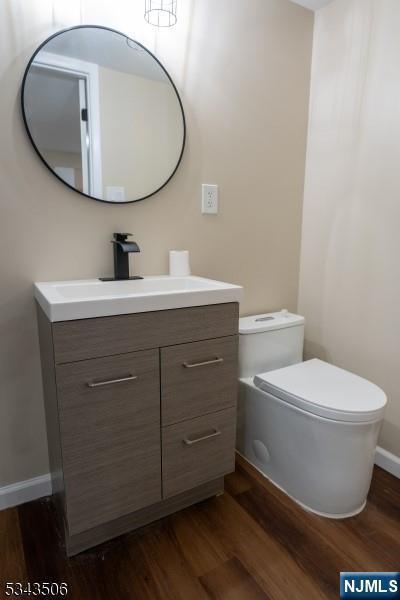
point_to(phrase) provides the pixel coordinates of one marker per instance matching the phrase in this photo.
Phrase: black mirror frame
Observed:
(36, 148)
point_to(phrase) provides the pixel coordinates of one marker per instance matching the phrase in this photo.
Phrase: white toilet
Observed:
(309, 427)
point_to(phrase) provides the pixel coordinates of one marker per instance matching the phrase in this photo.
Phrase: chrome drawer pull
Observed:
(111, 381)
(214, 361)
(188, 442)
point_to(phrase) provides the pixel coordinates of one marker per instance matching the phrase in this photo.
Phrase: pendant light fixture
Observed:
(160, 13)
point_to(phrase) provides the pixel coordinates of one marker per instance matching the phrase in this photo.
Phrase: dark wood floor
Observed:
(251, 542)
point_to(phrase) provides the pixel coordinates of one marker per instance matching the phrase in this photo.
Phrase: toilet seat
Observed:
(325, 390)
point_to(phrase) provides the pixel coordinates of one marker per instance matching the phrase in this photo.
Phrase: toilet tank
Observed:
(269, 341)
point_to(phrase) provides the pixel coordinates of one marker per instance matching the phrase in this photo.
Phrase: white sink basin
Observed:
(68, 300)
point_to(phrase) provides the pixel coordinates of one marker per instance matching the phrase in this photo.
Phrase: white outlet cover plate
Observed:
(312, 4)
(115, 193)
(209, 199)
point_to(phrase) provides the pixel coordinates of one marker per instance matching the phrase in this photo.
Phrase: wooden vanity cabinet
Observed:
(110, 436)
(141, 415)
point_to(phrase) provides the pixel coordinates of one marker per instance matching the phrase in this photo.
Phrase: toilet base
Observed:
(323, 464)
(353, 513)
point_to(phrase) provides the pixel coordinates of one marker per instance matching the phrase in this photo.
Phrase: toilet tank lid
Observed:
(269, 321)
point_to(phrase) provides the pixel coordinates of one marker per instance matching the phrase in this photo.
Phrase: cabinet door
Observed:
(197, 451)
(198, 378)
(110, 436)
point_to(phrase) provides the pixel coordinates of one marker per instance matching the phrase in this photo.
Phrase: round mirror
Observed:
(103, 114)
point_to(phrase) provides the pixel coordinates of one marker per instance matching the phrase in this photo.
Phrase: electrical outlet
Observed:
(209, 199)
(115, 193)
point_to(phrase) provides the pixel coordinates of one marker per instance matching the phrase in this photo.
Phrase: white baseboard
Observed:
(388, 461)
(25, 491)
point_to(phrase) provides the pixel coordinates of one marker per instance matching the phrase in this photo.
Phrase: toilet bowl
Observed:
(309, 427)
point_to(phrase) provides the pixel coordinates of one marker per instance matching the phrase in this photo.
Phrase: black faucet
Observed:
(122, 249)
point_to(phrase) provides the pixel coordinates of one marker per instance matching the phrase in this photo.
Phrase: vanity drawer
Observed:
(110, 436)
(198, 378)
(198, 451)
(105, 336)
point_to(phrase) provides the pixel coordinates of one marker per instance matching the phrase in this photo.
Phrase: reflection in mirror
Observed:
(103, 114)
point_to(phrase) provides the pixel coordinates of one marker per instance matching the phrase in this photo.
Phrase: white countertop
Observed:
(70, 300)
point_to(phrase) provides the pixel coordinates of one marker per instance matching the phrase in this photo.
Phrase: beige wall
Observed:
(242, 69)
(349, 282)
(142, 118)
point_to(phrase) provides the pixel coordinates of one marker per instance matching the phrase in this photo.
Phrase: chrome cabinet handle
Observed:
(188, 442)
(111, 381)
(214, 361)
